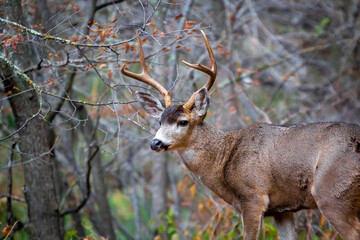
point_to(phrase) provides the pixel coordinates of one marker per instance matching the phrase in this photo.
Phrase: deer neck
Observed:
(206, 157)
(203, 154)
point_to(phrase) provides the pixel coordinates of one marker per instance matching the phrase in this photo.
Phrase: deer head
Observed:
(176, 121)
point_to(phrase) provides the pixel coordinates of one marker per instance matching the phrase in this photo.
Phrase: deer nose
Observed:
(157, 145)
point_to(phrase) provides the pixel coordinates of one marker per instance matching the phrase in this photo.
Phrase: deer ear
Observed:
(201, 102)
(151, 104)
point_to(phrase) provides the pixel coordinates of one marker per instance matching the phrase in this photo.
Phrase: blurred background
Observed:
(75, 160)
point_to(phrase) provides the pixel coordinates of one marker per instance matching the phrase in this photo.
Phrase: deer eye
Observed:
(159, 123)
(183, 123)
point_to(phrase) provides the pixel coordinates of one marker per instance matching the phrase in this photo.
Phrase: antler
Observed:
(211, 72)
(144, 75)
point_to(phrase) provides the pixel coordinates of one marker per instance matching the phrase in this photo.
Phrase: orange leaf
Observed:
(155, 31)
(6, 231)
(178, 16)
(102, 66)
(223, 53)
(74, 39)
(150, 24)
(110, 73)
(188, 25)
(201, 207)
(187, 49)
(91, 23)
(239, 70)
(76, 8)
(322, 221)
(178, 46)
(230, 212)
(180, 187)
(193, 190)
(114, 20)
(233, 109)
(284, 78)
(209, 203)
(57, 57)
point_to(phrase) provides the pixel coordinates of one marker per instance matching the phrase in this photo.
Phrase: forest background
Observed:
(75, 161)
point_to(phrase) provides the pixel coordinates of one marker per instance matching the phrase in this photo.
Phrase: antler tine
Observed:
(211, 72)
(144, 75)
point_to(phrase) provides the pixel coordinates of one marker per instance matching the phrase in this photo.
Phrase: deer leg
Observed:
(342, 214)
(285, 225)
(347, 226)
(252, 224)
(253, 214)
(336, 192)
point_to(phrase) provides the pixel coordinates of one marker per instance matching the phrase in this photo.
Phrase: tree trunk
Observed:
(39, 189)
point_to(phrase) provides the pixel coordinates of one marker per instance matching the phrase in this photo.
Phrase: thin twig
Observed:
(88, 187)
(51, 115)
(103, 5)
(13, 197)
(8, 205)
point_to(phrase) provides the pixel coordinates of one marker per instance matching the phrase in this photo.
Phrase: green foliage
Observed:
(168, 225)
(71, 234)
(319, 29)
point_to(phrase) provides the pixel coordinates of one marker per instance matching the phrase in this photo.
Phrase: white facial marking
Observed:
(170, 133)
(164, 135)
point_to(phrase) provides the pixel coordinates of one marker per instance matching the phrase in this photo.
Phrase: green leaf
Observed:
(71, 233)
(231, 234)
(171, 230)
(170, 215)
(325, 21)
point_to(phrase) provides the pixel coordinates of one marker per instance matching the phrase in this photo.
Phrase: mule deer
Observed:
(262, 170)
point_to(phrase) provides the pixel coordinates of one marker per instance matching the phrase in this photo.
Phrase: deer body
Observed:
(268, 170)
(263, 170)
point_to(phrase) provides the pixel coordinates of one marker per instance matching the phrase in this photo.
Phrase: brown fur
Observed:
(268, 170)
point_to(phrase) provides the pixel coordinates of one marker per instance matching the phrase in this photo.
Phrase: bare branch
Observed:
(88, 187)
(103, 5)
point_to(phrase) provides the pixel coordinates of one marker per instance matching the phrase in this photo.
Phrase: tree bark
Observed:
(39, 188)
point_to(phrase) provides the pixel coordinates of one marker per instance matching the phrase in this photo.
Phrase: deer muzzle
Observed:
(158, 145)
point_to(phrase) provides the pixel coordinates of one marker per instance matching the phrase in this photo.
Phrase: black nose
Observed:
(157, 145)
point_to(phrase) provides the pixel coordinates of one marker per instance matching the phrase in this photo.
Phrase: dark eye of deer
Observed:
(183, 123)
